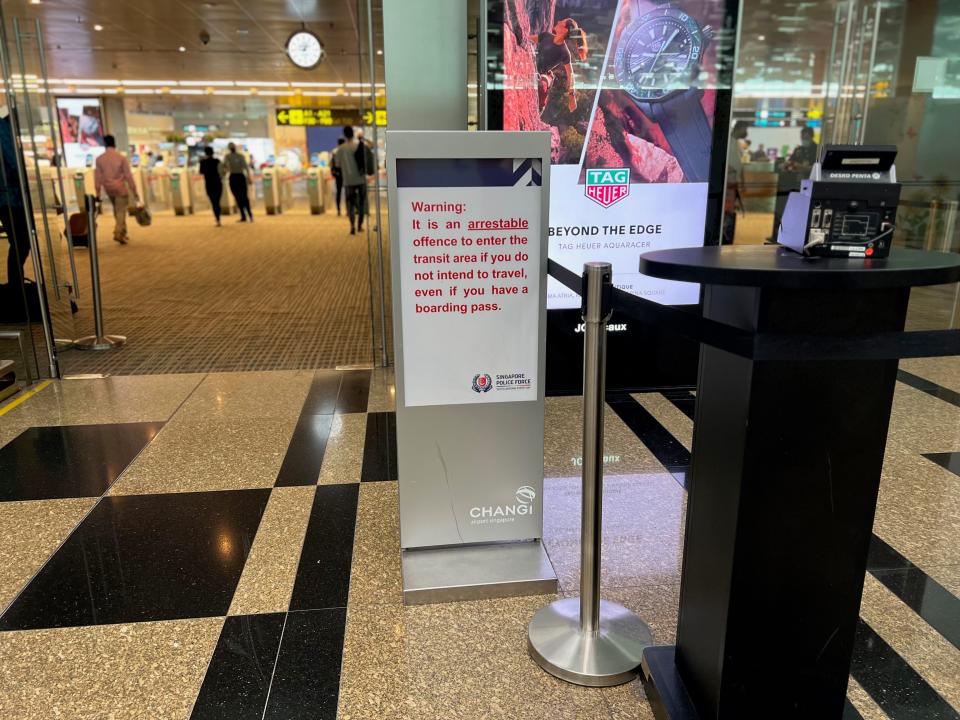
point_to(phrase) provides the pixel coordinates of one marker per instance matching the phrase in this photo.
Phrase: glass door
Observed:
(40, 156)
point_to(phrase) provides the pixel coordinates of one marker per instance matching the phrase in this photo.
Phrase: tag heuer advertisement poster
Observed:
(628, 91)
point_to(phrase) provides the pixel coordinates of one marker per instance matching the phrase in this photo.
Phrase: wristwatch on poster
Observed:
(657, 61)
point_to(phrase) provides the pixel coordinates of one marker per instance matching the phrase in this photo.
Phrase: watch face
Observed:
(304, 49)
(659, 53)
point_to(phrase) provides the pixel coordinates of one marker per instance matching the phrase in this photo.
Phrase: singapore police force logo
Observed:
(482, 383)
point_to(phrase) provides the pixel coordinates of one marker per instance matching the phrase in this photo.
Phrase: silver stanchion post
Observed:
(586, 640)
(99, 341)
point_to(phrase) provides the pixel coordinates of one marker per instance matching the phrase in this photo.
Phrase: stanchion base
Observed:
(611, 657)
(107, 342)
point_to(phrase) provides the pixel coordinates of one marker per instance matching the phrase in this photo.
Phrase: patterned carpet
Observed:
(287, 292)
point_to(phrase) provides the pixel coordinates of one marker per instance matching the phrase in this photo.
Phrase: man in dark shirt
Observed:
(805, 154)
(213, 184)
(12, 212)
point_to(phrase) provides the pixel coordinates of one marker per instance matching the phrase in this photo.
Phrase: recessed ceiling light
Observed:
(98, 27)
(35, 2)
(379, 52)
(182, 49)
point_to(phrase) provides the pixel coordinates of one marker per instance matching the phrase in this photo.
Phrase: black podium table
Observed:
(787, 454)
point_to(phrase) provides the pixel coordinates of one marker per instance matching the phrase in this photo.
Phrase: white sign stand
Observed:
(468, 229)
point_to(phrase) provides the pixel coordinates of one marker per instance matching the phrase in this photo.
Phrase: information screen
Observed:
(629, 91)
(636, 95)
(81, 130)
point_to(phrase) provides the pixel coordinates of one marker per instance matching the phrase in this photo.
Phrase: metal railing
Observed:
(99, 340)
(586, 640)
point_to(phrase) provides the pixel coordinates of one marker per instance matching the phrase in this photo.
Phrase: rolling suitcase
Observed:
(78, 229)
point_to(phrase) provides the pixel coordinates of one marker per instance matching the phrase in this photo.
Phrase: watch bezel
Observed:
(693, 26)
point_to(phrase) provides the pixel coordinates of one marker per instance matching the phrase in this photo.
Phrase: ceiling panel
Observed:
(141, 38)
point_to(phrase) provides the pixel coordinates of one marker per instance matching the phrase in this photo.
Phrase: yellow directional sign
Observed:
(381, 117)
(307, 117)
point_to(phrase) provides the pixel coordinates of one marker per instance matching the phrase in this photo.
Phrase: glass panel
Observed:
(861, 71)
(790, 58)
(370, 48)
(51, 265)
(914, 103)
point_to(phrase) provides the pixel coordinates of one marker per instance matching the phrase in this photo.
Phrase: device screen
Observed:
(855, 225)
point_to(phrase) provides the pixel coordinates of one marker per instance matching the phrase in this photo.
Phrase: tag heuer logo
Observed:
(606, 186)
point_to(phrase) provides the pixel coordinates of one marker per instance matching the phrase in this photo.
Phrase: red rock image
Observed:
(521, 111)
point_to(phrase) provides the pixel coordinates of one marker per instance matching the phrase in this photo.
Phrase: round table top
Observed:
(775, 266)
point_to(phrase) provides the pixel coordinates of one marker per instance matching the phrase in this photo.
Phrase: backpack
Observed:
(366, 162)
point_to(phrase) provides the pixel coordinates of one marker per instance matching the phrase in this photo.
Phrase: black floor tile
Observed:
(850, 712)
(354, 392)
(322, 398)
(145, 557)
(935, 604)
(306, 682)
(892, 683)
(301, 464)
(684, 400)
(323, 576)
(931, 388)
(380, 448)
(948, 460)
(238, 678)
(664, 446)
(70, 460)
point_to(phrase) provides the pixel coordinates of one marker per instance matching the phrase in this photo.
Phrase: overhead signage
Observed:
(309, 117)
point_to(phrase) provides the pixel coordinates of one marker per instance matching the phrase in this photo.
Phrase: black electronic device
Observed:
(848, 206)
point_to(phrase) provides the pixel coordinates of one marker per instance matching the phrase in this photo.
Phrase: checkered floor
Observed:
(227, 546)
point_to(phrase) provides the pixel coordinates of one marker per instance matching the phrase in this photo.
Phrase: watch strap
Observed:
(685, 125)
(638, 9)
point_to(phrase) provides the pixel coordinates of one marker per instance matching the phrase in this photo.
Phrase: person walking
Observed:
(212, 182)
(113, 174)
(235, 165)
(337, 172)
(354, 180)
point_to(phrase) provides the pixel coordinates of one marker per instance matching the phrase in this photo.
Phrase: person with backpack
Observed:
(355, 160)
(336, 172)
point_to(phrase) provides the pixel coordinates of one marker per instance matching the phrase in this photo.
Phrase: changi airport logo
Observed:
(526, 495)
(501, 514)
(606, 186)
(482, 383)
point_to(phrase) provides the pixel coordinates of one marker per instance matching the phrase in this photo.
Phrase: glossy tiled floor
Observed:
(227, 546)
